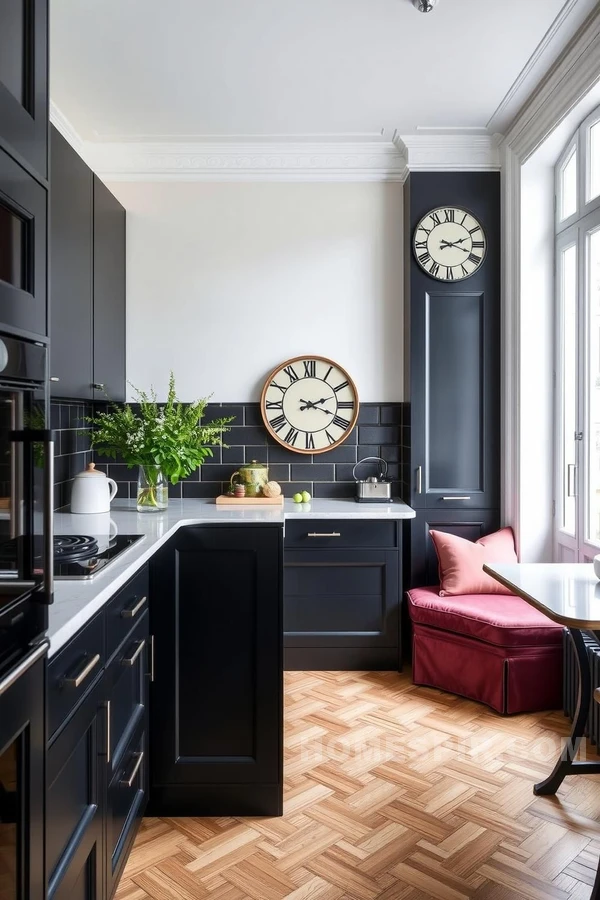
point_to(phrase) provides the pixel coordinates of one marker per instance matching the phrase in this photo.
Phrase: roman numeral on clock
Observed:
(291, 373)
(291, 437)
(274, 404)
(310, 368)
(449, 215)
(278, 423)
(478, 245)
(310, 441)
(330, 437)
(278, 386)
(341, 422)
(424, 258)
(434, 269)
(449, 273)
(346, 404)
(421, 245)
(341, 386)
(435, 218)
(328, 373)
(474, 259)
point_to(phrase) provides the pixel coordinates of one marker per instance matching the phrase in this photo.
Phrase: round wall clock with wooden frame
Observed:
(309, 404)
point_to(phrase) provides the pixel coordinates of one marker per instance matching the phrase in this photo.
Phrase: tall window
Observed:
(578, 345)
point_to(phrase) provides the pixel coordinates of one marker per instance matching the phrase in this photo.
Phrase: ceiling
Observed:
(299, 69)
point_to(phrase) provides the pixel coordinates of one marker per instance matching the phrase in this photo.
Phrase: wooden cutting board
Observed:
(224, 500)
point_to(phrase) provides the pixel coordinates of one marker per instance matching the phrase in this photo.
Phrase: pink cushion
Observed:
(506, 621)
(461, 562)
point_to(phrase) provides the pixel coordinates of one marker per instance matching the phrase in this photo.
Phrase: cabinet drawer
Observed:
(126, 801)
(72, 672)
(309, 534)
(125, 610)
(125, 689)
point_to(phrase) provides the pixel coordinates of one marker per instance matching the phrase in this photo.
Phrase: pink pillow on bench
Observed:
(461, 561)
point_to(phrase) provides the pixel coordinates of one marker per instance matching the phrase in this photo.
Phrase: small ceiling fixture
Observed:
(424, 5)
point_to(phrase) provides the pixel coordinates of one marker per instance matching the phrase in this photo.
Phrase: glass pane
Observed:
(12, 249)
(9, 812)
(569, 384)
(593, 374)
(568, 187)
(594, 161)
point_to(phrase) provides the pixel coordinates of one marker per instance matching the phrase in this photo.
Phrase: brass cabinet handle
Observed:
(324, 534)
(77, 680)
(128, 782)
(132, 611)
(151, 673)
(54, 378)
(456, 498)
(419, 487)
(130, 660)
(107, 709)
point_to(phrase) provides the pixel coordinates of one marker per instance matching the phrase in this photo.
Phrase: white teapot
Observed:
(92, 491)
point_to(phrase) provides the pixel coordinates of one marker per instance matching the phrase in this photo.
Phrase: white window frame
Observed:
(574, 230)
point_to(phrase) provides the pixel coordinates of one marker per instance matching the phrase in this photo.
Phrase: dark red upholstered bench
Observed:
(494, 648)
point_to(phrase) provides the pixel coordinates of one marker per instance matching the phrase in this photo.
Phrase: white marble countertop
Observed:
(568, 593)
(75, 602)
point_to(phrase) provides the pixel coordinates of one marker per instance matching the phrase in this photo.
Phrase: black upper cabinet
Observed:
(109, 293)
(217, 712)
(454, 356)
(87, 280)
(71, 271)
(24, 82)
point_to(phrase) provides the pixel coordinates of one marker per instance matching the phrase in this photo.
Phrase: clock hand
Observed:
(445, 244)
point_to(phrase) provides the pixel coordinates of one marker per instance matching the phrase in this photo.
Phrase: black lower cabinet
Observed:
(97, 771)
(217, 696)
(75, 804)
(342, 606)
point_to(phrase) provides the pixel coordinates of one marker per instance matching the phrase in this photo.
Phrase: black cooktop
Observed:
(75, 555)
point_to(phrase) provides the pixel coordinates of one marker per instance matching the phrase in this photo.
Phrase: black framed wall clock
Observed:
(449, 243)
(309, 404)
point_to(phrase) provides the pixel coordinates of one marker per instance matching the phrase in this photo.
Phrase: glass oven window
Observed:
(10, 826)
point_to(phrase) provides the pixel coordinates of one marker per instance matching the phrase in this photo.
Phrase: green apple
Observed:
(297, 498)
(305, 497)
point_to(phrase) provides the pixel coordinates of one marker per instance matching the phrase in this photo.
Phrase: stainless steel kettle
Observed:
(375, 488)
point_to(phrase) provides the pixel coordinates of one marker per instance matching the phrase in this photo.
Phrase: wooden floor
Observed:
(392, 792)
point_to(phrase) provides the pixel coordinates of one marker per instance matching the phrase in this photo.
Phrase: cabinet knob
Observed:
(54, 378)
(97, 386)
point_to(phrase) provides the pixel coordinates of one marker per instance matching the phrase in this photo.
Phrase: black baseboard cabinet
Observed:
(217, 696)
(342, 594)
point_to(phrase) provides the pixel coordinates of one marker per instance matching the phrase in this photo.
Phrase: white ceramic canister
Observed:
(92, 492)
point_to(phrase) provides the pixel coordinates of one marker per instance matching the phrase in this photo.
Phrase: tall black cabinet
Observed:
(452, 332)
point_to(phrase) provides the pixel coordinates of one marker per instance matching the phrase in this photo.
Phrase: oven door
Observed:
(22, 790)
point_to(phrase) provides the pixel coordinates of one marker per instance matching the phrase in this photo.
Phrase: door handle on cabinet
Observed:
(128, 782)
(107, 710)
(151, 672)
(132, 611)
(55, 379)
(419, 485)
(319, 534)
(76, 681)
(130, 660)
(456, 498)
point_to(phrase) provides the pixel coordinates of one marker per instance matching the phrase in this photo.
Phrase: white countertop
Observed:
(568, 593)
(75, 602)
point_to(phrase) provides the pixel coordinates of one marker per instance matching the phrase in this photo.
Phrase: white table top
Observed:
(568, 593)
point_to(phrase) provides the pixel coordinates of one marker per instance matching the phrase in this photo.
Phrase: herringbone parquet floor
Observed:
(392, 792)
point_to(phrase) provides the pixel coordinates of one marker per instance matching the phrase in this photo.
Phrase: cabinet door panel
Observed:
(24, 81)
(74, 843)
(126, 690)
(468, 524)
(126, 801)
(217, 697)
(70, 271)
(341, 599)
(109, 293)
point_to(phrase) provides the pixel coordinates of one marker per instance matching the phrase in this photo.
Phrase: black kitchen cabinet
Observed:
(342, 606)
(453, 356)
(75, 803)
(87, 281)
(109, 294)
(71, 363)
(470, 524)
(97, 773)
(24, 83)
(23, 231)
(217, 707)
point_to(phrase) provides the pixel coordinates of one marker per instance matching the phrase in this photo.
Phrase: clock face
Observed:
(309, 404)
(449, 244)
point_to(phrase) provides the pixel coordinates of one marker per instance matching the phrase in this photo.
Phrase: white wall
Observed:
(225, 281)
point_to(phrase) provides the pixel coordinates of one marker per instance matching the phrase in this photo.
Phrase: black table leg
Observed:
(566, 765)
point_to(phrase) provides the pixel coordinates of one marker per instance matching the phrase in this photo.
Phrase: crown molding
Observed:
(561, 31)
(65, 127)
(367, 161)
(449, 152)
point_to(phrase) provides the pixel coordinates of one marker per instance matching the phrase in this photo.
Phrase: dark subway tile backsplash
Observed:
(382, 431)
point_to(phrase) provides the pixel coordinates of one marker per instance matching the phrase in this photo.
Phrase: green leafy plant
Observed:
(170, 435)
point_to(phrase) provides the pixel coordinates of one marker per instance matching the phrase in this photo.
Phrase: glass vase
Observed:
(152, 489)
